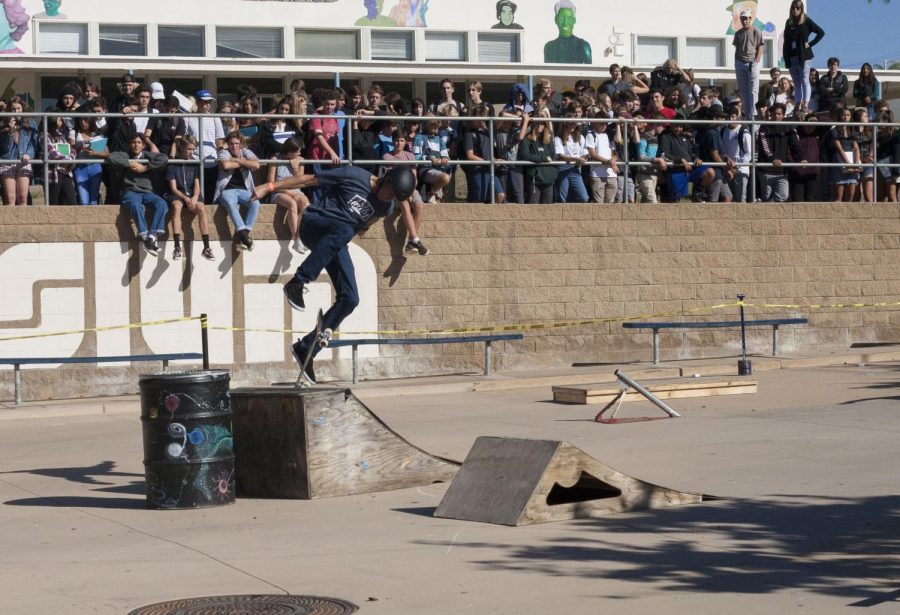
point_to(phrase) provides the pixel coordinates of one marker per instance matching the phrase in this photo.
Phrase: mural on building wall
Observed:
(402, 13)
(566, 48)
(506, 16)
(13, 26)
(51, 10)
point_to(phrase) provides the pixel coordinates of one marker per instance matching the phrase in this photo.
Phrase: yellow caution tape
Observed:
(134, 325)
(498, 328)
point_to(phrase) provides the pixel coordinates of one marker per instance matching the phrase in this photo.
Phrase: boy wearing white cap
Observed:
(748, 50)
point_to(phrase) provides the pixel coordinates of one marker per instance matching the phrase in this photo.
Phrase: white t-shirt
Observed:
(140, 123)
(571, 147)
(732, 148)
(599, 142)
(212, 132)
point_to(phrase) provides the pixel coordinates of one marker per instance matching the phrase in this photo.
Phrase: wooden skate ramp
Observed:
(519, 482)
(317, 443)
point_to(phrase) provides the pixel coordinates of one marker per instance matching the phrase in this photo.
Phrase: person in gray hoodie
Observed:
(137, 190)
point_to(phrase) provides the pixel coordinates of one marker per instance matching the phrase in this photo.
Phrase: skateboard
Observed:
(321, 340)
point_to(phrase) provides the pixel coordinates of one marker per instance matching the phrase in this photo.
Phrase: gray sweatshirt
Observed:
(137, 182)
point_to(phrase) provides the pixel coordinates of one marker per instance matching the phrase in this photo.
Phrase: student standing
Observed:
(748, 50)
(798, 52)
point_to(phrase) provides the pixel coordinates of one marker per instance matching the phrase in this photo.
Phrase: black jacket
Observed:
(796, 37)
(839, 86)
(775, 143)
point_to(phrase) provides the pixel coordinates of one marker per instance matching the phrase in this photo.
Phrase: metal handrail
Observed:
(493, 163)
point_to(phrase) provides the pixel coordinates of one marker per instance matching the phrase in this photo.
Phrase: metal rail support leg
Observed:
(165, 364)
(18, 379)
(355, 350)
(656, 401)
(774, 340)
(487, 358)
(656, 346)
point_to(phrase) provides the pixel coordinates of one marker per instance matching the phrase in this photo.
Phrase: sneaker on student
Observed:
(150, 245)
(293, 292)
(248, 242)
(298, 247)
(177, 253)
(418, 246)
(300, 352)
(239, 242)
(207, 254)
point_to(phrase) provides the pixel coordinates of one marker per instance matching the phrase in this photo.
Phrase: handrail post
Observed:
(874, 164)
(625, 148)
(487, 357)
(753, 129)
(493, 157)
(45, 156)
(355, 354)
(204, 339)
(207, 198)
(656, 345)
(18, 380)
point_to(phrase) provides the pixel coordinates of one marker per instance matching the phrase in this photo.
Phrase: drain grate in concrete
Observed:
(267, 604)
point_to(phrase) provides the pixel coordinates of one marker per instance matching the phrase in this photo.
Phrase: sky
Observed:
(856, 31)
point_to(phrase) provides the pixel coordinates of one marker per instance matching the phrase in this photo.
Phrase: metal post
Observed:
(744, 367)
(774, 340)
(875, 164)
(656, 346)
(165, 363)
(355, 349)
(18, 378)
(207, 198)
(753, 130)
(487, 358)
(46, 157)
(493, 158)
(204, 339)
(625, 147)
(650, 396)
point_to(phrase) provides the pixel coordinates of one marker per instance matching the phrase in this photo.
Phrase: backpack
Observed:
(744, 129)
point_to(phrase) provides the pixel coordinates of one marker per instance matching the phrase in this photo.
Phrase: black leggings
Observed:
(62, 192)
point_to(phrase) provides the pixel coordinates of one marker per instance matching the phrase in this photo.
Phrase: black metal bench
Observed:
(418, 341)
(775, 323)
(164, 358)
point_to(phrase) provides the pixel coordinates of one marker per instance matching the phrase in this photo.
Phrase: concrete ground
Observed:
(808, 469)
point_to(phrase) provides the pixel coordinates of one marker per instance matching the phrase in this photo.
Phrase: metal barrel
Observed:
(188, 444)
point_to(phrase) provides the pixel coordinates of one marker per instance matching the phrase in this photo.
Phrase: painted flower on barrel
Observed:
(171, 402)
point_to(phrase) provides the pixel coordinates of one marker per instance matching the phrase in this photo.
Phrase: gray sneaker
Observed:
(150, 245)
(418, 246)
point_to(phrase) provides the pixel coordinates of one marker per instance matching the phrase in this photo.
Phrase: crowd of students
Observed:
(543, 147)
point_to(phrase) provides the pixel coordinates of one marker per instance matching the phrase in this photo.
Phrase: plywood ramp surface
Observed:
(603, 394)
(512, 481)
(291, 443)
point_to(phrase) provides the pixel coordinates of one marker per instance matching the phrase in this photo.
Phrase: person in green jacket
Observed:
(536, 146)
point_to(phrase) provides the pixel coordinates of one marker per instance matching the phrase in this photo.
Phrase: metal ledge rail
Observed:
(418, 341)
(624, 164)
(775, 323)
(164, 358)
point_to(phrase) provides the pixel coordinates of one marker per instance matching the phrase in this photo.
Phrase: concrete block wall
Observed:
(489, 265)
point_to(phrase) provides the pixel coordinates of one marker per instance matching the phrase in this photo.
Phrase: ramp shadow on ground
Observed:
(829, 546)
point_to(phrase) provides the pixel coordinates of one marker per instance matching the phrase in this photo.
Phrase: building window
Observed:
(116, 40)
(327, 45)
(181, 41)
(249, 43)
(445, 47)
(392, 45)
(498, 48)
(704, 52)
(66, 38)
(653, 51)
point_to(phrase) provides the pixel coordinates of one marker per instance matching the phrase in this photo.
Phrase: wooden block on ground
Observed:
(512, 481)
(316, 443)
(603, 394)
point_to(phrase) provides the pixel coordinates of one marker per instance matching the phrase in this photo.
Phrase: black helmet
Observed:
(402, 182)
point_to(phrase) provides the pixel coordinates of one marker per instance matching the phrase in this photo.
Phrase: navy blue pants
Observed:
(327, 241)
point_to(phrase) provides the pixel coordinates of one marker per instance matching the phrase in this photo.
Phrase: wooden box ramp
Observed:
(604, 393)
(510, 481)
(318, 443)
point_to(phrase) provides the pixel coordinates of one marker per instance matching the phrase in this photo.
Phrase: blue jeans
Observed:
(800, 76)
(327, 241)
(232, 200)
(480, 185)
(747, 74)
(570, 180)
(87, 181)
(135, 202)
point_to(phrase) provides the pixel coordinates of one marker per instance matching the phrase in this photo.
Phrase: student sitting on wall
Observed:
(235, 187)
(183, 182)
(137, 190)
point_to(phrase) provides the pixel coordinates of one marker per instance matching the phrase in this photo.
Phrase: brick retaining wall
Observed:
(495, 265)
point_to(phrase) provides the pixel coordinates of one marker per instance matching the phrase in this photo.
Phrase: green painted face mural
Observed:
(567, 48)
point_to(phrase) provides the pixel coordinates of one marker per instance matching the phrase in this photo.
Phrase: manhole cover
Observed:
(249, 604)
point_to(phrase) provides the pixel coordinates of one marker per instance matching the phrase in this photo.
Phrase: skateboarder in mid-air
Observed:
(351, 200)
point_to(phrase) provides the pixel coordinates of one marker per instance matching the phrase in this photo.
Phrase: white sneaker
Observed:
(298, 247)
